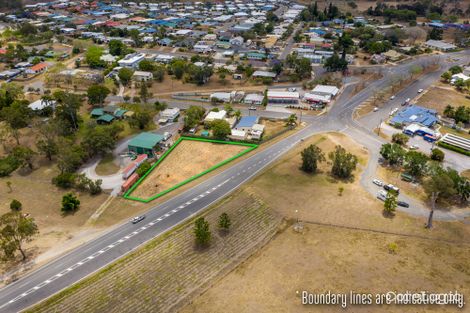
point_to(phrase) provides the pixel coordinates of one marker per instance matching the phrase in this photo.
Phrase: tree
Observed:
(15, 205)
(291, 121)
(437, 155)
(15, 230)
(455, 69)
(125, 75)
(202, 232)
(416, 163)
(143, 168)
(435, 34)
(66, 113)
(17, 115)
(70, 156)
(446, 76)
(117, 47)
(438, 185)
(24, 156)
(99, 140)
(159, 73)
(390, 203)
(144, 92)
(93, 57)
(400, 139)
(193, 116)
(393, 153)
(224, 222)
(147, 65)
(140, 120)
(96, 94)
(449, 111)
(220, 129)
(310, 158)
(64, 180)
(70, 203)
(345, 42)
(335, 63)
(344, 163)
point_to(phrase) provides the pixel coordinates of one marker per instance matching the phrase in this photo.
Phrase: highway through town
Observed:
(122, 239)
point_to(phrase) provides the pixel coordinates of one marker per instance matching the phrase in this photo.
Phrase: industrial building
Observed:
(145, 143)
(415, 114)
(283, 98)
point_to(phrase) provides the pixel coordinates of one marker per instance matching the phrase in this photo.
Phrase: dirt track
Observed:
(189, 158)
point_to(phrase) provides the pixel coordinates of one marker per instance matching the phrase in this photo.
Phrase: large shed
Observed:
(145, 143)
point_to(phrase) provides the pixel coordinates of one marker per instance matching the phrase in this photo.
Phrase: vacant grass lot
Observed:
(439, 97)
(187, 159)
(42, 200)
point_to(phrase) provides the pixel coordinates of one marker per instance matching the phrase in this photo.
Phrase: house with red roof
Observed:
(38, 68)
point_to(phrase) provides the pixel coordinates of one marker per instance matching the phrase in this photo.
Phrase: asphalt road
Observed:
(124, 238)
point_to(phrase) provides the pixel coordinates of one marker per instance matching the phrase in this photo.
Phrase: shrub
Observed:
(8, 165)
(453, 148)
(143, 168)
(64, 180)
(437, 155)
(70, 203)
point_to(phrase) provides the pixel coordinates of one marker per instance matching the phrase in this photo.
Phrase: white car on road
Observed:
(378, 182)
(420, 90)
(392, 97)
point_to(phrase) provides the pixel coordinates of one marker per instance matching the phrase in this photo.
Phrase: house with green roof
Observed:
(105, 119)
(107, 114)
(145, 143)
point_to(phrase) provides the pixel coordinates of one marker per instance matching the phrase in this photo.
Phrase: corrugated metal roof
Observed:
(145, 140)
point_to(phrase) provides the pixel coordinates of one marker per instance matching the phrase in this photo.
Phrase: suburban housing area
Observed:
(234, 156)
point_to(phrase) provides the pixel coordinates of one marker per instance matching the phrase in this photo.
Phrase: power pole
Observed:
(378, 127)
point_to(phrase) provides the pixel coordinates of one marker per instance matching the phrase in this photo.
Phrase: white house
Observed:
(169, 114)
(41, 104)
(131, 60)
(221, 96)
(142, 76)
(458, 76)
(253, 99)
(212, 116)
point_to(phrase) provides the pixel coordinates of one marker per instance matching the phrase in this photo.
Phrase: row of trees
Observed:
(343, 163)
(202, 233)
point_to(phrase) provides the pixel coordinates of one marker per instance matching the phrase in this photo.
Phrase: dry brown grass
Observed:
(170, 269)
(439, 97)
(336, 257)
(189, 158)
(42, 200)
(272, 127)
(340, 260)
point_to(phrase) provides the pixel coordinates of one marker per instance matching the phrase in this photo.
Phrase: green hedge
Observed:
(453, 148)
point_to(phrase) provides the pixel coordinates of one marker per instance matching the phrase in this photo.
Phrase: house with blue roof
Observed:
(415, 114)
(246, 123)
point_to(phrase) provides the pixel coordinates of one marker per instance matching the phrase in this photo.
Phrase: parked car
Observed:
(381, 195)
(252, 108)
(392, 97)
(413, 147)
(403, 204)
(137, 219)
(292, 89)
(378, 182)
(166, 136)
(392, 187)
(376, 109)
(420, 90)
